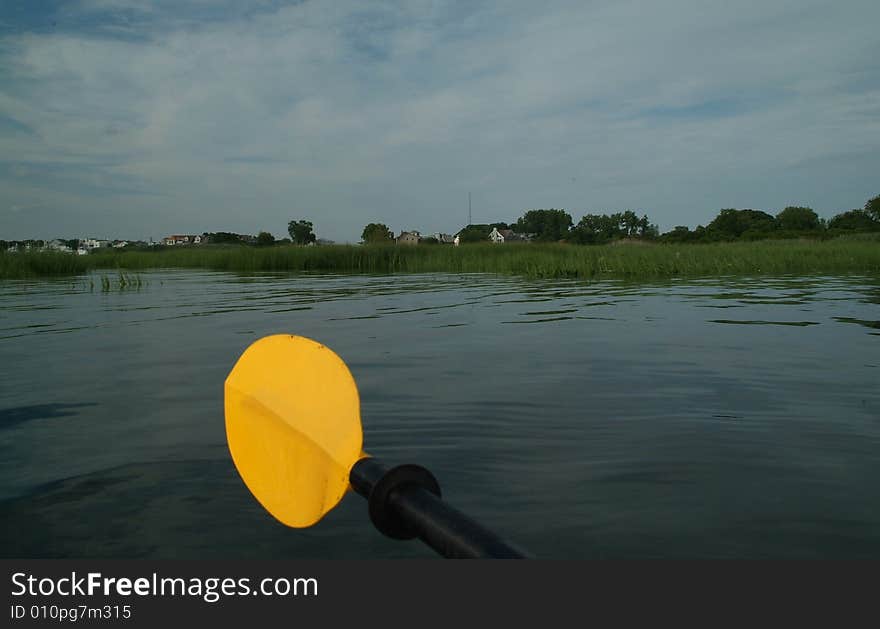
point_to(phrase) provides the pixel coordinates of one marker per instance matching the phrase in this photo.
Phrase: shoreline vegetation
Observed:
(541, 243)
(628, 259)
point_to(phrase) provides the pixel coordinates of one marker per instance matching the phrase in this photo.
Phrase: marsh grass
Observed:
(122, 281)
(842, 255)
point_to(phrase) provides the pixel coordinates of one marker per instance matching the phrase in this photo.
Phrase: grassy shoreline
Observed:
(844, 255)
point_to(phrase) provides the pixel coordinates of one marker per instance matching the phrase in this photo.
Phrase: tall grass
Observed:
(530, 260)
(123, 281)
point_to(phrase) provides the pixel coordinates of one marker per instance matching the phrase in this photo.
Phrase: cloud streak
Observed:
(168, 117)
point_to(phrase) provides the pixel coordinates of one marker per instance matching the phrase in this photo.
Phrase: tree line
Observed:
(301, 233)
(791, 222)
(552, 225)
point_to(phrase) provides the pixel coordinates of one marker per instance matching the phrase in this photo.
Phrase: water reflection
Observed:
(13, 416)
(868, 324)
(759, 322)
(624, 420)
(383, 296)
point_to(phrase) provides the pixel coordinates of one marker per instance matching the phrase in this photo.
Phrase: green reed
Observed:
(122, 281)
(631, 261)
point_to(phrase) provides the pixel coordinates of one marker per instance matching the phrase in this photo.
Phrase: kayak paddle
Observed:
(294, 430)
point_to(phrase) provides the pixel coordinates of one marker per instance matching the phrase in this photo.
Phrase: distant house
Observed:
(512, 236)
(178, 239)
(93, 243)
(58, 245)
(444, 239)
(408, 238)
(500, 236)
(120, 244)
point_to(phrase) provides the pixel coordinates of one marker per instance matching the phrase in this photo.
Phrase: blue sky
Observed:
(136, 119)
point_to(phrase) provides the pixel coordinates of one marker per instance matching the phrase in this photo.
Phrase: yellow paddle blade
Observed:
(293, 426)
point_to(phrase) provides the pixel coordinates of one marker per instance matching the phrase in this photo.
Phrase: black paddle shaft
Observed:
(405, 503)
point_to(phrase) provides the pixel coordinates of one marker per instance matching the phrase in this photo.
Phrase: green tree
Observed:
(301, 232)
(599, 228)
(854, 220)
(647, 229)
(795, 218)
(224, 238)
(474, 233)
(731, 223)
(872, 207)
(375, 233)
(632, 226)
(547, 225)
(265, 239)
(630, 223)
(595, 229)
(680, 233)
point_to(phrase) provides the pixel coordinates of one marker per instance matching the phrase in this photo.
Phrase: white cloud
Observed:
(347, 114)
(140, 6)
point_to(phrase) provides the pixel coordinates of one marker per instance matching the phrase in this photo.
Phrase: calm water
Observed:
(735, 418)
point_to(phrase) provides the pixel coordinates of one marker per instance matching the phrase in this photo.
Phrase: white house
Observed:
(500, 236)
(408, 238)
(58, 245)
(93, 243)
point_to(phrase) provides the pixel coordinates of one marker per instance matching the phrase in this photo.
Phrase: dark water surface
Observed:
(723, 418)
